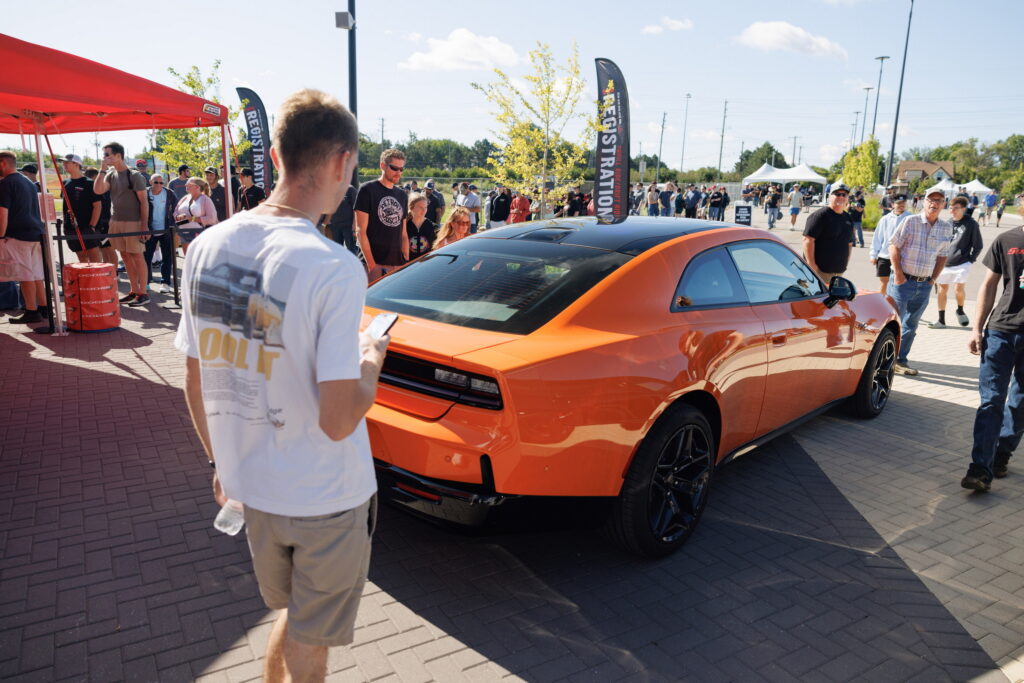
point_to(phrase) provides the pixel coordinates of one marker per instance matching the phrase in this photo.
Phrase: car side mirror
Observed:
(840, 289)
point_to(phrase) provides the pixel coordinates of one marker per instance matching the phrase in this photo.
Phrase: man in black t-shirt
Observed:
(827, 235)
(998, 338)
(381, 208)
(856, 211)
(21, 228)
(250, 195)
(501, 207)
(342, 221)
(217, 193)
(85, 206)
(435, 202)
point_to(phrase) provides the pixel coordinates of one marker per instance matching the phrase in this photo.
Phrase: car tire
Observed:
(875, 384)
(666, 488)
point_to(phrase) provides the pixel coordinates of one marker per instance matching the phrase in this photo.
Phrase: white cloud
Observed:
(774, 36)
(413, 37)
(706, 134)
(668, 23)
(462, 50)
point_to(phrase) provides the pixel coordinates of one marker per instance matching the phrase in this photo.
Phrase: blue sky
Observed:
(793, 68)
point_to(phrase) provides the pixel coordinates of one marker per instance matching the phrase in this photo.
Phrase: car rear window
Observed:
(500, 285)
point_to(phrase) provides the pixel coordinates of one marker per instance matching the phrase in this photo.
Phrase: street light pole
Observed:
(686, 116)
(864, 125)
(899, 97)
(347, 21)
(878, 91)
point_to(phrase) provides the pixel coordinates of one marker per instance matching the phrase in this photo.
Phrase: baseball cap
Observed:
(900, 198)
(430, 184)
(74, 158)
(140, 162)
(210, 169)
(935, 191)
(472, 186)
(183, 167)
(841, 187)
(29, 168)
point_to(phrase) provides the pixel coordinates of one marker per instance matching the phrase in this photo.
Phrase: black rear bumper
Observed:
(458, 502)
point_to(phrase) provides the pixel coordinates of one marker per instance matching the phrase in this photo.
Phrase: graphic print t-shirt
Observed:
(386, 210)
(421, 239)
(1006, 257)
(271, 308)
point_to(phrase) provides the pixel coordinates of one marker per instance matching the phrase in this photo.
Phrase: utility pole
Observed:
(864, 125)
(742, 145)
(899, 98)
(853, 135)
(96, 143)
(793, 157)
(661, 140)
(721, 143)
(382, 134)
(686, 116)
(800, 158)
(878, 91)
(640, 161)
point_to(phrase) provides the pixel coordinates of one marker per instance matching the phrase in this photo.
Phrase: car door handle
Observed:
(779, 339)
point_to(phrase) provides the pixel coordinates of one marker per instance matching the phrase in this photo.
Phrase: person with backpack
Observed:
(129, 206)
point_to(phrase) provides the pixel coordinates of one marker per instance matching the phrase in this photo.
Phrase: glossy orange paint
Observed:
(581, 392)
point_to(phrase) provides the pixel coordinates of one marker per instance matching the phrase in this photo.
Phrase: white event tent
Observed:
(761, 175)
(977, 186)
(945, 186)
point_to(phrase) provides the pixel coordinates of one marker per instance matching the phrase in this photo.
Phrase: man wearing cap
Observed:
(82, 208)
(129, 215)
(827, 234)
(880, 241)
(999, 340)
(140, 166)
(918, 250)
(177, 186)
(250, 195)
(435, 202)
(31, 172)
(217, 193)
(471, 201)
(796, 202)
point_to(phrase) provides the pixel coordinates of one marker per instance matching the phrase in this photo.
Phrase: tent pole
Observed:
(59, 329)
(227, 170)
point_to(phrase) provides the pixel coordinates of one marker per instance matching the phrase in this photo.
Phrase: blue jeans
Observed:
(911, 299)
(1002, 369)
(666, 211)
(772, 217)
(166, 244)
(713, 213)
(859, 234)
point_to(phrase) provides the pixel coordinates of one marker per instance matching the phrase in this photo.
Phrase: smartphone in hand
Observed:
(381, 324)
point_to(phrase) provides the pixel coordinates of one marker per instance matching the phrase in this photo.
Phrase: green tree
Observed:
(750, 160)
(198, 147)
(860, 165)
(531, 124)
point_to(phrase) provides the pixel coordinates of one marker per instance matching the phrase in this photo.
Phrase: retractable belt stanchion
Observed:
(49, 329)
(175, 283)
(60, 244)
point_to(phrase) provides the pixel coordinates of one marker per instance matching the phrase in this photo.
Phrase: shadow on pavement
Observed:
(783, 580)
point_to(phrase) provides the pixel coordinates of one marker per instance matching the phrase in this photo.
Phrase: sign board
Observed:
(643, 167)
(743, 214)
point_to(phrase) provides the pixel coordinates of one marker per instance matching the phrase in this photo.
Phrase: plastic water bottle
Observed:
(230, 519)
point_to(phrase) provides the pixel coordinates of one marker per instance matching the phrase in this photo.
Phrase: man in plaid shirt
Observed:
(918, 250)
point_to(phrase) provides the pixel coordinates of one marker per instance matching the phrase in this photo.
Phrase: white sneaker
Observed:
(166, 289)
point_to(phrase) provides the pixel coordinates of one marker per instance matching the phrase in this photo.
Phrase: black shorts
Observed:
(883, 268)
(90, 235)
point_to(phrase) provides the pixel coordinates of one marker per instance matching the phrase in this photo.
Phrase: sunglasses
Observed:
(841, 194)
(396, 169)
(460, 222)
(158, 182)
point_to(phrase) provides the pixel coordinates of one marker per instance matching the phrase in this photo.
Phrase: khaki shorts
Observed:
(126, 245)
(26, 260)
(315, 567)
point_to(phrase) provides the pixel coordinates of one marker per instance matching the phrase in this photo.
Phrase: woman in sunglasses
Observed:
(454, 229)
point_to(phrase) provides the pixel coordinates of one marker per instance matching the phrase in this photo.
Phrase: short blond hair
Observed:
(390, 155)
(201, 183)
(311, 126)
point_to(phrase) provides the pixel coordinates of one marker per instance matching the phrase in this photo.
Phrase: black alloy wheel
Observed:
(875, 384)
(666, 488)
(679, 484)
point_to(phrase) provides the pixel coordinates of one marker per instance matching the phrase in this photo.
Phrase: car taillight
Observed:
(442, 381)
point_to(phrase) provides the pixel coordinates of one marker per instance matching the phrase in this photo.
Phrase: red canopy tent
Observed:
(45, 91)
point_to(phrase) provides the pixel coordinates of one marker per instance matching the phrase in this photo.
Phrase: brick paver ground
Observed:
(845, 551)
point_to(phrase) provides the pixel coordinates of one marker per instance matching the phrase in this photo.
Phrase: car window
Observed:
(710, 279)
(494, 284)
(771, 272)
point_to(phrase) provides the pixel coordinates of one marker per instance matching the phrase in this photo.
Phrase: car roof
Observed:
(633, 236)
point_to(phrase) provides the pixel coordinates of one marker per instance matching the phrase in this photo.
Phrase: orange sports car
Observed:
(570, 358)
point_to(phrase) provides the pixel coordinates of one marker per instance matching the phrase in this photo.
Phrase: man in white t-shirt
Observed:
(278, 379)
(796, 202)
(471, 201)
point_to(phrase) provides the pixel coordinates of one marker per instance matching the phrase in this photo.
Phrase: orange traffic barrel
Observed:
(91, 298)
